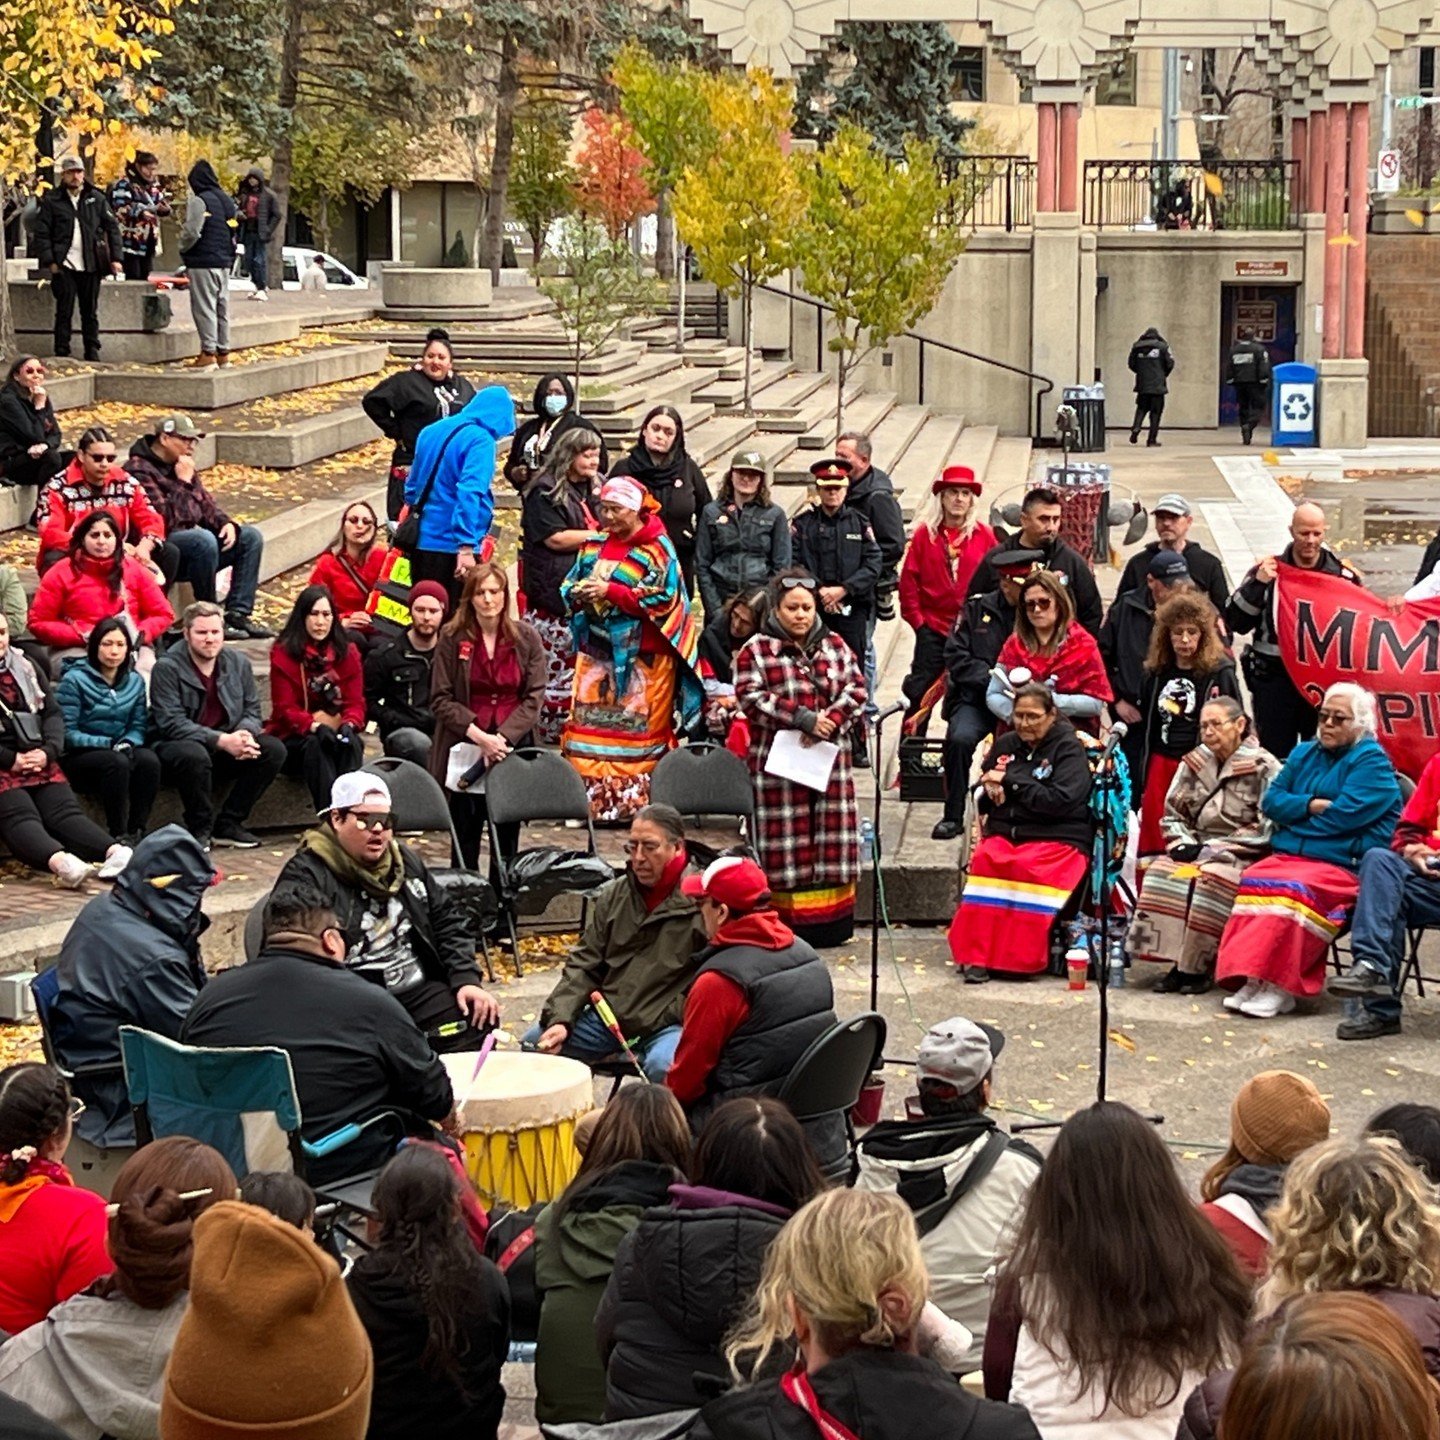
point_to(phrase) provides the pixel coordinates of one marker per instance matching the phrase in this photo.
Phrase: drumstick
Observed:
(607, 1018)
(113, 1210)
(486, 1046)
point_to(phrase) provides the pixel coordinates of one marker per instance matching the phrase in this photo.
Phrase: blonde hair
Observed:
(833, 1260)
(1353, 1215)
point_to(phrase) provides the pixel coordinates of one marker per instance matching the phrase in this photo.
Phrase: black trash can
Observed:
(1088, 402)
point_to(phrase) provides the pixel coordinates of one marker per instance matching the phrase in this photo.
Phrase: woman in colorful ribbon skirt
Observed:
(797, 675)
(1035, 812)
(636, 653)
(1336, 798)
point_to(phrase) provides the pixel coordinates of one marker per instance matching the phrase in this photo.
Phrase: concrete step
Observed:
(731, 393)
(626, 424)
(928, 453)
(713, 443)
(864, 413)
(816, 410)
(1011, 462)
(297, 443)
(785, 397)
(70, 392)
(891, 438)
(675, 386)
(724, 358)
(183, 389)
(975, 449)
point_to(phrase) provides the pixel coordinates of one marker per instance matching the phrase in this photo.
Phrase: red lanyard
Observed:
(796, 1388)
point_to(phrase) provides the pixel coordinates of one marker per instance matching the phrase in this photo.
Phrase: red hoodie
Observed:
(716, 1006)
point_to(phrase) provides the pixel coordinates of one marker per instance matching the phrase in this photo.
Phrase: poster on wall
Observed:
(1260, 315)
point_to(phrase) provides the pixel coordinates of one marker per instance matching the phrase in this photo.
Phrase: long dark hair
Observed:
(1118, 1268)
(21, 361)
(116, 574)
(756, 1147)
(422, 1236)
(101, 630)
(678, 448)
(337, 545)
(642, 1122)
(34, 1101)
(293, 637)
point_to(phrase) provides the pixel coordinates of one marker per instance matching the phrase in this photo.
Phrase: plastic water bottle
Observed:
(867, 841)
(1117, 962)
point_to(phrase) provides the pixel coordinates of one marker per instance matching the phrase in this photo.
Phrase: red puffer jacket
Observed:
(71, 601)
(932, 589)
(290, 713)
(336, 577)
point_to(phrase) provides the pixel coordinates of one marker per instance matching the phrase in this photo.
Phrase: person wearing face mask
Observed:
(397, 677)
(660, 462)
(131, 957)
(554, 415)
(404, 403)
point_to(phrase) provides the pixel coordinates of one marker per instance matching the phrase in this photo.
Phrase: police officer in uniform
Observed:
(1248, 370)
(837, 546)
(1283, 715)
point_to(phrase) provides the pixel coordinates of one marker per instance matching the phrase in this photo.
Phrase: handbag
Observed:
(407, 533)
(29, 733)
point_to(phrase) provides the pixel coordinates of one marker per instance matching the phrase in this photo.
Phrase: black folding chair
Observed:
(531, 785)
(418, 802)
(829, 1076)
(705, 779)
(255, 928)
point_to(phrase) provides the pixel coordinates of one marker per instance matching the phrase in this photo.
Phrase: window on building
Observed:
(1427, 69)
(969, 83)
(1117, 85)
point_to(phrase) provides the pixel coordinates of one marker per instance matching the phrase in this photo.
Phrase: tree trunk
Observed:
(322, 224)
(577, 365)
(506, 96)
(665, 247)
(748, 292)
(281, 159)
(7, 313)
(841, 375)
(683, 270)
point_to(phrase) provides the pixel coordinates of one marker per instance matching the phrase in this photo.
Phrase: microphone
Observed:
(1118, 731)
(895, 709)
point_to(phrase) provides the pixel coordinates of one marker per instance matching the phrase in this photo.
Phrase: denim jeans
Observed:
(590, 1040)
(1392, 897)
(256, 257)
(201, 560)
(872, 669)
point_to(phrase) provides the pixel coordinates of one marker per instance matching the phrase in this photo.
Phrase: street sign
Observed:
(1414, 102)
(1387, 172)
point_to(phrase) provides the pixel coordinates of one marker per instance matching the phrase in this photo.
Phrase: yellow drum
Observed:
(518, 1122)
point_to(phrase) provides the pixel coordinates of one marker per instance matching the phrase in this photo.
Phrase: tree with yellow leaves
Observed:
(739, 206)
(64, 62)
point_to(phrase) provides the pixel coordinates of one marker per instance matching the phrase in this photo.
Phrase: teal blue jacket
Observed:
(96, 714)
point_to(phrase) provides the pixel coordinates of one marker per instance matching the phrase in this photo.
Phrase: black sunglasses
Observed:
(798, 582)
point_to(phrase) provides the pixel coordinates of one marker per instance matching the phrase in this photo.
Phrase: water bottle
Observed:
(867, 840)
(1117, 962)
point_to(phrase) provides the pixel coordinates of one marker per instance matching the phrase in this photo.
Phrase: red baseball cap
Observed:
(732, 881)
(959, 477)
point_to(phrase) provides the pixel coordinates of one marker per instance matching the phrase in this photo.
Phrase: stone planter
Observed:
(441, 294)
(1388, 217)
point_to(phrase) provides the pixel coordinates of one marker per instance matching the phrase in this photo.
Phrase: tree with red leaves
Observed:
(610, 172)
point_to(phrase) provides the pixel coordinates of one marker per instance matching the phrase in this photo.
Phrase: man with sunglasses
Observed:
(401, 930)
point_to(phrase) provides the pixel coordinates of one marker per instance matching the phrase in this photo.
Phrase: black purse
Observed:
(29, 733)
(406, 537)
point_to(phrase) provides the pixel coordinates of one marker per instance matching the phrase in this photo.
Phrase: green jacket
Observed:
(643, 962)
(574, 1255)
(12, 601)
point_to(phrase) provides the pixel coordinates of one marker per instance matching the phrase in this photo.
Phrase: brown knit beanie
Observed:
(1275, 1116)
(270, 1344)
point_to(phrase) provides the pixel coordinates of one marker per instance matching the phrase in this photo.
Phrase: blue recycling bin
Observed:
(1295, 407)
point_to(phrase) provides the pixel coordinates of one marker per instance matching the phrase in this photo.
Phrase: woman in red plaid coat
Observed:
(798, 675)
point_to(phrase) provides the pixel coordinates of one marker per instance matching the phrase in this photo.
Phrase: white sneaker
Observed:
(71, 872)
(1270, 1002)
(1247, 992)
(262, 294)
(115, 862)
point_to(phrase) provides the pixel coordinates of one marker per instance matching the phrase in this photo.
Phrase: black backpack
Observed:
(510, 1243)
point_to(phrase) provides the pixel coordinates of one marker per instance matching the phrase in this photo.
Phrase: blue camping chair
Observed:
(241, 1101)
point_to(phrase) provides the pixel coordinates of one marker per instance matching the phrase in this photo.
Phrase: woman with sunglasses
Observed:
(1335, 798)
(636, 652)
(29, 432)
(52, 1233)
(798, 677)
(350, 568)
(97, 581)
(1052, 650)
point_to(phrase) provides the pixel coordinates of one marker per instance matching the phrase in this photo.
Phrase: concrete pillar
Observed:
(1045, 159)
(1298, 153)
(1069, 186)
(1057, 299)
(1355, 252)
(1315, 164)
(1336, 124)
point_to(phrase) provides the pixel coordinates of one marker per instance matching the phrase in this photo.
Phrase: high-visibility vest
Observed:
(387, 605)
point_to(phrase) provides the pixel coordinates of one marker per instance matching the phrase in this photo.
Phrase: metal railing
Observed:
(1181, 195)
(998, 191)
(924, 342)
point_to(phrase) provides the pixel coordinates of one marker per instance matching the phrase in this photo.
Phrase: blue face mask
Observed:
(555, 405)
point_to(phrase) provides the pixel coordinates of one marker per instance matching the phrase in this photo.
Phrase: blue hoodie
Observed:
(459, 508)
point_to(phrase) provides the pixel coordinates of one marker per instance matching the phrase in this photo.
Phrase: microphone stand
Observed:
(878, 770)
(1106, 781)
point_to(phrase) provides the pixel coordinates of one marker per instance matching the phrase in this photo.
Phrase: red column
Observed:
(1045, 158)
(1355, 253)
(1069, 157)
(1334, 224)
(1315, 165)
(1301, 158)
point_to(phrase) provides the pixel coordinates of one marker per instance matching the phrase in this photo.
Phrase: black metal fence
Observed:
(1181, 195)
(997, 191)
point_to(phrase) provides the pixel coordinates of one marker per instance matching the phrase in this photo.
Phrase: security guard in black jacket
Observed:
(1248, 370)
(1283, 716)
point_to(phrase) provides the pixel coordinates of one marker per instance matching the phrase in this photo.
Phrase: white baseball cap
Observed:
(357, 788)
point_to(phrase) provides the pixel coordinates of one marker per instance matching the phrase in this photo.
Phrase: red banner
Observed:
(1330, 630)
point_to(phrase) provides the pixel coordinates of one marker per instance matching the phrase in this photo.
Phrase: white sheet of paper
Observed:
(809, 765)
(462, 757)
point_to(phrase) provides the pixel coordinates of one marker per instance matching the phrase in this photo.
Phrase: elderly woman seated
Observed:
(1212, 829)
(1335, 798)
(1037, 832)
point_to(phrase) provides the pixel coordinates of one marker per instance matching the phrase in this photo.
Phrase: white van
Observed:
(297, 261)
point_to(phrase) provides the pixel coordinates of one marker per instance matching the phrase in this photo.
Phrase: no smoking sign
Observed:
(1387, 171)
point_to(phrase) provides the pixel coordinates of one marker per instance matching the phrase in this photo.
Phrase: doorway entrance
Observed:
(1269, 310)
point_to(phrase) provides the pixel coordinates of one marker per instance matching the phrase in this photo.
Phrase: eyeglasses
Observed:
(1036, 606)
(643, 847)
(1334, 717)
(798, 582)
(77, 1107)
(372, 822)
